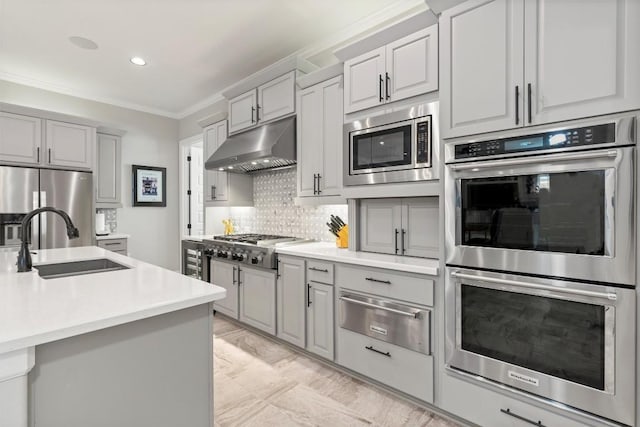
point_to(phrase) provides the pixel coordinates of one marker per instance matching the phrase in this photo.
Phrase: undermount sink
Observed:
(77, 268)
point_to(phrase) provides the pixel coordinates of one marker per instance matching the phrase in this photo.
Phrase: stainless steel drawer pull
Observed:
(378, 351)
(379, 307)
(521, 418)
(111, 244)
(371, 279)
(605, 295)
(322, 270)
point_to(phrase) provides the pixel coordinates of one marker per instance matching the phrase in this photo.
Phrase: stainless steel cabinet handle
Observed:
(379, 307)
(371, 279)
(257, 113)
(234, 281)
(239, 282)
(381, 98)
(396, 244)
(529, 100)
(517, 105)
(404, 233)
(111, 244)
(214, 192)
(308, 295)
(253, 110)
(604, 295)
(37, 154)
(322, 270)
(314, 184)
(319, 184)
(521, 418)
(49, 155)
(535, 159)
(384, 353)
(278, 269)
(387, 80)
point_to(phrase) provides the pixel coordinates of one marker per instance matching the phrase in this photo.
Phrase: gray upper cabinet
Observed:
(258, 298)
(319, 127)
(267, 102)
(69, 145)
(536, 62)
(108, 171)
(402, 69)
(291, 300)
(20, 139)
(320, 320)
(400, 226)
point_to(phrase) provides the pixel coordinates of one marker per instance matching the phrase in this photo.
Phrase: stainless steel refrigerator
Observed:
(25, 189)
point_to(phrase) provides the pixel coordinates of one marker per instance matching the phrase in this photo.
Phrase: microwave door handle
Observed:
(603, 295)
(534, 159)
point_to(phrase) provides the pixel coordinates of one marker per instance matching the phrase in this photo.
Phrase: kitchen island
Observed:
(126, 347)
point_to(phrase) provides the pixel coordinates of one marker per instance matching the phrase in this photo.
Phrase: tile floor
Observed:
(259, 382)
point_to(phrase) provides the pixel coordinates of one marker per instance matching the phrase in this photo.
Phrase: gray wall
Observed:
(150, 140)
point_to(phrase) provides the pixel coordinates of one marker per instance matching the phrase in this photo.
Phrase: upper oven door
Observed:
(382, 148)
(563, 215)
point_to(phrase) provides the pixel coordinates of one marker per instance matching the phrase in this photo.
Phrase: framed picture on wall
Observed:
(149, 186)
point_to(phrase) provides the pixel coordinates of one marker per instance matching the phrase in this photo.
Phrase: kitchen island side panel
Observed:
(153, 372)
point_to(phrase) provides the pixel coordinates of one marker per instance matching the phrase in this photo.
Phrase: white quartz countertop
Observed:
(35, 310)
(113, 236)
(329, 251)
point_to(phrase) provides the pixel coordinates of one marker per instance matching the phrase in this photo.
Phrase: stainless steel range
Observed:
(254, 249)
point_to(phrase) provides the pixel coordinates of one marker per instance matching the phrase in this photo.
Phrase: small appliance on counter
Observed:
(101, 226)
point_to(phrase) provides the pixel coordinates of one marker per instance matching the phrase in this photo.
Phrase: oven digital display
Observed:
(524, 144)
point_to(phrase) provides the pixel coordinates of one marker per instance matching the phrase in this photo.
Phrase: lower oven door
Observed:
(398, 324)
(573, 343)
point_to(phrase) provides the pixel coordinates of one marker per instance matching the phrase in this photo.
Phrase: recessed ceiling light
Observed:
(254, 163)
(83, 43)
(220, 169)
(230, 167)
(266, 160)
(138, 61)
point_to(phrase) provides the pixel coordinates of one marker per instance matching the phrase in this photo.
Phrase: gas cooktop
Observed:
(255, 239)
(249, 248)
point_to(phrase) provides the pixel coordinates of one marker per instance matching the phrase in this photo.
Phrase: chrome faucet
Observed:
(24, 256)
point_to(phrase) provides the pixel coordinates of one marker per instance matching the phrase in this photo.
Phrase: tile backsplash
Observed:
(274, 211)
(110, 219)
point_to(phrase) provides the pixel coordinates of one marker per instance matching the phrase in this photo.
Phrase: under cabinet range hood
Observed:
(267, 147)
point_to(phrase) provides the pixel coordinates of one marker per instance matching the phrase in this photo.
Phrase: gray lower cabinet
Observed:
(257, 290)
(223, 274)
(320, 319)
(489, 408)
(114, 245)
(291, 300)
(108, 171)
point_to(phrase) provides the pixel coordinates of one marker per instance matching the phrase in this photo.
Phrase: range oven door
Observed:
(573, 343)
(567, 215)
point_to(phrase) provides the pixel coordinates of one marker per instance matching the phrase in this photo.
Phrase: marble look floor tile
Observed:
(307, 407)
(257, 346)
(441, 422)
(263, 381)
(270, 416)
(223, 326)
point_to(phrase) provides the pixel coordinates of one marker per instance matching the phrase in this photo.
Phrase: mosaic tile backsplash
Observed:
(110, 219)
(274, 211)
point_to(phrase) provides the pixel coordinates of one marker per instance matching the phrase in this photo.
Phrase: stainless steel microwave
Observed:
(393, 147)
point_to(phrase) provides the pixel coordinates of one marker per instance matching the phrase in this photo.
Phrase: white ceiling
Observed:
(194, 48)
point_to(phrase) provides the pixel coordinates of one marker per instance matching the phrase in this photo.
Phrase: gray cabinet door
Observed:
(216, 183)
(224, 274)
(242, 111)
(381, 225)
(258, 298)
(20, 139)
(69, 145)
(320, 320)
(277, 98)
(108, 171)
(420, 227)
(291, 293)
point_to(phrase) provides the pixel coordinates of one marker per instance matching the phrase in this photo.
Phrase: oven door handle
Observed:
(534, 159)
(391, 310)
(604, 295)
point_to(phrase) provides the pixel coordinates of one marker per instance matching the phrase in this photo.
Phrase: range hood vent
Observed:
(269, 146)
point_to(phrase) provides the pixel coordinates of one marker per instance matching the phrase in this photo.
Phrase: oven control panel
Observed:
(422, 142)
(590, 135)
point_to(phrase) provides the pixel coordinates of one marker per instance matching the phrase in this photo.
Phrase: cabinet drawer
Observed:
(319, 271)
(113, 244)
(397, 367)
(488, 408)
(402, 286)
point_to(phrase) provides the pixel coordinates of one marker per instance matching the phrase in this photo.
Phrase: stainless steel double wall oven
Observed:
(541, 262)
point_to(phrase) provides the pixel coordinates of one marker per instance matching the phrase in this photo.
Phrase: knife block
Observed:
(342, 241)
